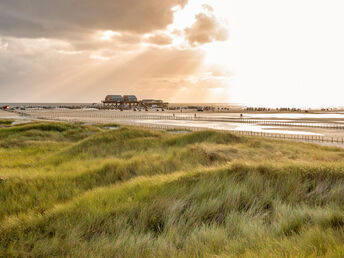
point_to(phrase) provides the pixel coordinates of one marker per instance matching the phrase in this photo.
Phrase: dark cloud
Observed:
(70, 18)
(206, 29)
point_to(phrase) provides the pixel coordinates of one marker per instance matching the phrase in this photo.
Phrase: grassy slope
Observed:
(5, 122)
(81, 190)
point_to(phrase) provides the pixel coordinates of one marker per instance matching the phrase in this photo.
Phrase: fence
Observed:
(116, 115)
(295, 137)
(100, 119)
(292, 124)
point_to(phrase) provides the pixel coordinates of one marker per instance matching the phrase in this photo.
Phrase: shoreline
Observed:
(191, 120)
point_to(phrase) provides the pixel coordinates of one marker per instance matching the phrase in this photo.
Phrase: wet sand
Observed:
(212, 120)
(187, 120)
(8, 115)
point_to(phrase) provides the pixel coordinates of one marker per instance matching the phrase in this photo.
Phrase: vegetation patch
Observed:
(83, 190)
(6, 122)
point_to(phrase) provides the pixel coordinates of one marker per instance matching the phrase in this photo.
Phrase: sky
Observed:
(272, 53)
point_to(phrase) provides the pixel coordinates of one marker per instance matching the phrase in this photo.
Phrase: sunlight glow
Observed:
(109, 34)
(99, 57)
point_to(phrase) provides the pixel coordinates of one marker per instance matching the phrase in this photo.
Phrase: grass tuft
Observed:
(83, 190)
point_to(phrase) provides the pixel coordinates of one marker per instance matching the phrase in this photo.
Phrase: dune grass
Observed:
(86, 191)
(6, 121)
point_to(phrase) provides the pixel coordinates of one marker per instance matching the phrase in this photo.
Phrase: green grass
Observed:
(5, 122)
(86, 191)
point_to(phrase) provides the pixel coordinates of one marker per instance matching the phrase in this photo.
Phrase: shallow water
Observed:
(182, 121)
(297, 116)
(224, 126)
(111, 128)
(269, 129)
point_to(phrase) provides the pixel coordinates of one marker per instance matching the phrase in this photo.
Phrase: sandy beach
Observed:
(9, 115)
(300, 124)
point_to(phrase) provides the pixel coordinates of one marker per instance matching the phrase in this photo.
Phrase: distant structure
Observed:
(130, 98)
(153, 103)
(113, 101)
(131, 101)
(114, 98)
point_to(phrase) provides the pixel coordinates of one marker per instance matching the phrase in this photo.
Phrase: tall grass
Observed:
(6, 122)
(142, 193)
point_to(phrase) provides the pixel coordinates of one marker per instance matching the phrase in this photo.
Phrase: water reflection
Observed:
(225, 126)
(297, 116)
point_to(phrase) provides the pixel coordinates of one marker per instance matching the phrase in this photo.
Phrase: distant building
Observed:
(153, 103)
(131, 101)
(130, 98)
(113, 98)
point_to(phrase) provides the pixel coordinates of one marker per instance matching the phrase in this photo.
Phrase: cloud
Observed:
(3, 45)
(206, 29)
(162, 63)
(72, 19)
(208, 8)
(159, 38)
(170, 74)
(80, 50)
(153, 73)
(125, 41)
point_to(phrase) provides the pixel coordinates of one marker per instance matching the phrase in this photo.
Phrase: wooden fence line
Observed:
(294, 137)
(96, 114)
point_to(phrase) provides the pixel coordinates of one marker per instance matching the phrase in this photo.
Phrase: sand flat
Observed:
(204, 120)
(8, 115)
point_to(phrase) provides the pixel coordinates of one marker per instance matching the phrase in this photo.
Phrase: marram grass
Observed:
(71, 190)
